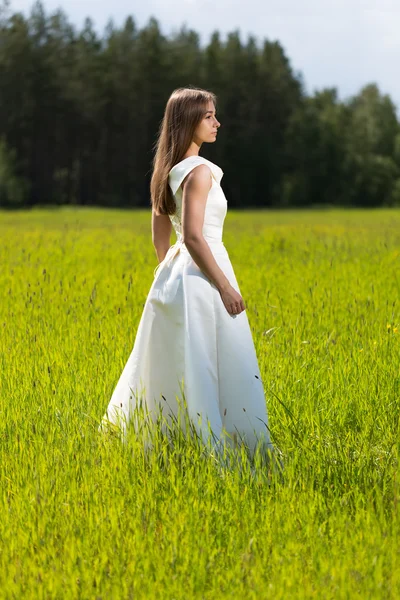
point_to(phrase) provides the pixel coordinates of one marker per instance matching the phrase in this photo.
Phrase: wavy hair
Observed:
(183, 113)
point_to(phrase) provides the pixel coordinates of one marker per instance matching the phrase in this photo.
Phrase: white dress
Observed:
(188, 342)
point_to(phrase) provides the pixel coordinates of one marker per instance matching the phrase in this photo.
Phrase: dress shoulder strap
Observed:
(178, 172)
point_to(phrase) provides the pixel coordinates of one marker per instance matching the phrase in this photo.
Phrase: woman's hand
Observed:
(232, 300)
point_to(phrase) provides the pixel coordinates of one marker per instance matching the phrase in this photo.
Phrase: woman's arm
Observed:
(161, 228)
(196, 187)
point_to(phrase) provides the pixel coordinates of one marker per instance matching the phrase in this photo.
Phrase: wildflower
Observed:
(388, 326)
(395, 329)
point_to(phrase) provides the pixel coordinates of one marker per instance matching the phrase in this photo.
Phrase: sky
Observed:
(333, 43)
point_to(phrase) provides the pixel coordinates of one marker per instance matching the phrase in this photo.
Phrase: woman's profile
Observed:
(194, 338)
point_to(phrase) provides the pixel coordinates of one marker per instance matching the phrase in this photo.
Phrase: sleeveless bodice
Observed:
(216, 206)
(214, 214)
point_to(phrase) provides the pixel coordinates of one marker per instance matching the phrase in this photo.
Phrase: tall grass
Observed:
(86, 516)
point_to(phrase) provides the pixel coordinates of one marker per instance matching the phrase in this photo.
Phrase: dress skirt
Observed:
(189, 349)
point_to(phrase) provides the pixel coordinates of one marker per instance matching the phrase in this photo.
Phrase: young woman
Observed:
(193, 343)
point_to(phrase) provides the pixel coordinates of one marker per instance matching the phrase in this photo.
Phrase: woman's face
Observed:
(206, 131)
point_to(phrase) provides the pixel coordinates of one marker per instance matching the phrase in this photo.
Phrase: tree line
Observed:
(80, 112)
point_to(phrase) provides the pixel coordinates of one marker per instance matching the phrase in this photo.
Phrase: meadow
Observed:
(86, 516)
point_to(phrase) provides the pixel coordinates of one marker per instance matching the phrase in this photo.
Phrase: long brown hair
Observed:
(183, 113)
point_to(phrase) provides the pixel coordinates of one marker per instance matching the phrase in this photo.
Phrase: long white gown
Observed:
(188, 342)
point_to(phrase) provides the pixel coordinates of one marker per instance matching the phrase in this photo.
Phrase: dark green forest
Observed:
(80, 113)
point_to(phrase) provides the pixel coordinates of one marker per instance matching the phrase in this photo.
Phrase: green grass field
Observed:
(83, 516)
